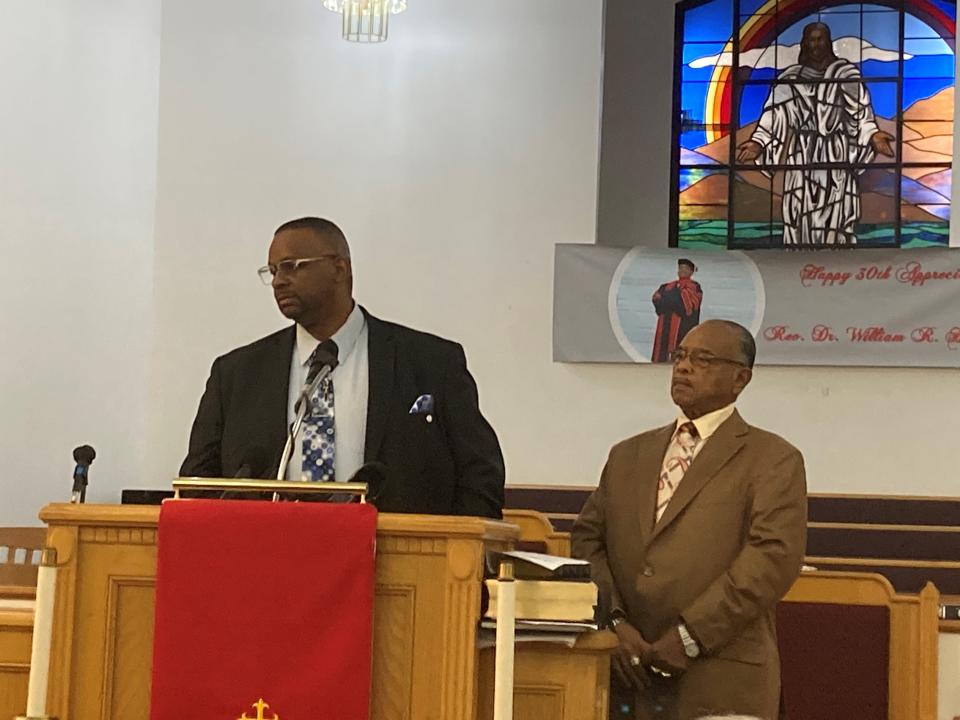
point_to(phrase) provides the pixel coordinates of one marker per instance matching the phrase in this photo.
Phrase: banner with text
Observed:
(863, 307)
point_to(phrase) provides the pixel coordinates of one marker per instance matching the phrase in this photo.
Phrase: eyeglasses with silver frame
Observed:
(289, 267)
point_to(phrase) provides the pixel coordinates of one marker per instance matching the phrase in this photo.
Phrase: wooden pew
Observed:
(829, 625)
(831, 605)
(910, 540)
(19, 561)
(537, 531)
(16, 632)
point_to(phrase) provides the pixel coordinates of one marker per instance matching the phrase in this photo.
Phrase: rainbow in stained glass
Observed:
(769, 144)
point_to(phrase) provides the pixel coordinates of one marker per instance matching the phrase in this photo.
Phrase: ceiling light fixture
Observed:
(365, 21)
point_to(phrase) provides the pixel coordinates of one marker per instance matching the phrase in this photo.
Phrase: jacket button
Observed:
(648, 571)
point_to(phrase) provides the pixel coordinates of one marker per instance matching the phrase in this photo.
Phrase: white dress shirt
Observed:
(351, 384)
(706, 425)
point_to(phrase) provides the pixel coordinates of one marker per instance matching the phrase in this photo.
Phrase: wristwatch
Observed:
(690, 646)
(616, 617)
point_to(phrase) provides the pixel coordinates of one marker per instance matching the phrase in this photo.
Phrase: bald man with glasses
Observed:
(695, 532)
(397, 396)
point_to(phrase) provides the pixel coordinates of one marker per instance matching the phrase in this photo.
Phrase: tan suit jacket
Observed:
(728, 547)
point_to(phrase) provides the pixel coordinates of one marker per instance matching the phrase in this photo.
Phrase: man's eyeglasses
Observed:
(289, 267)
(701, 360)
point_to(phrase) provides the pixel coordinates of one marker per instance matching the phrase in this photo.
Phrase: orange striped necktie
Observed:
(676, 462)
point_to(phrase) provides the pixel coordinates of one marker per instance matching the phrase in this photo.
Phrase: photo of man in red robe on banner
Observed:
(678, 310)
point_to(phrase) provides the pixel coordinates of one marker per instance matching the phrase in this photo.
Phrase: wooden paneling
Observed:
(913, 633)
(536, 527)
(17, 592)
(130, 600)
(905, 576)
(109, 631)
(19, 555)
(540, 701)
(552, 682)
(16, 633)
(884, 509)
(395, 620)
(427, 606)
(892, 542)
(910, 540)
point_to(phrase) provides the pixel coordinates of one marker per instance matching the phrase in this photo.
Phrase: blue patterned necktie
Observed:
(319, 437)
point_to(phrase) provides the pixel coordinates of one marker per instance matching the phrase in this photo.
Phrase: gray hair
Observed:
(748, 346)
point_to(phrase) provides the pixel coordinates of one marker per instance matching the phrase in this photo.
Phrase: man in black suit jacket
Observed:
(441, 455)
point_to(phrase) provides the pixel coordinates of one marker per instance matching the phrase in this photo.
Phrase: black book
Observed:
(950, 612)
(537, 566)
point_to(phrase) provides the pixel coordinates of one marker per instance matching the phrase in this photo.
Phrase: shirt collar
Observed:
(345, 338)
(707, 424)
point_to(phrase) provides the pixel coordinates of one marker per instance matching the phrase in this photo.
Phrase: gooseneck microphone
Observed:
(83, 456)
(254, 464)
(374, 474)
(323, 362)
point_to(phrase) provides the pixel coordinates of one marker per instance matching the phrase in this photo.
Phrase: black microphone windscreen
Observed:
(255, 462)
(326, 355)
(84, 455)
(374, 474)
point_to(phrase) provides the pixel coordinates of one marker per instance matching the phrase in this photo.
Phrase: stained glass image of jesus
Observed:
(813, 125)
(819, 114)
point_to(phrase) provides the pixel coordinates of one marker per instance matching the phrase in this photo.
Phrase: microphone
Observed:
(325, 361)
(83, 456)
(255, 462)
(375, 475)
(322, 364)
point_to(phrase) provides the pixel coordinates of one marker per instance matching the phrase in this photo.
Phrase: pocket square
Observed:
(423, 404)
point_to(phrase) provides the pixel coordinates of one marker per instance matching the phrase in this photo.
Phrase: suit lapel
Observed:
(721, 446)
(277, 365)
(382, 370)
(649, 461)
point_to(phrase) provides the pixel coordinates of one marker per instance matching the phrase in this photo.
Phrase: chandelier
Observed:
(365, 20)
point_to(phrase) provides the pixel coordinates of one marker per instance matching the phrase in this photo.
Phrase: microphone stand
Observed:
(79, 494)
(303, 404)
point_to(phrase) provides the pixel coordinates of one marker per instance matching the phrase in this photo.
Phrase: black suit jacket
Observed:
(452, 465)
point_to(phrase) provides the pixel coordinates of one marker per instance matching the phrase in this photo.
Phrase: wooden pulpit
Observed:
(428, 577)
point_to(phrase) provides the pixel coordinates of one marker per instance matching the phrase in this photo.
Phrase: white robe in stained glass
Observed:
(817, 123)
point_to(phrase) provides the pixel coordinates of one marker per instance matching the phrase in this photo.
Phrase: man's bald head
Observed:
(326, 231)
(317, 293)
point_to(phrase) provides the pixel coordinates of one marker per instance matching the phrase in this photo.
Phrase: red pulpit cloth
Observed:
(264, 610)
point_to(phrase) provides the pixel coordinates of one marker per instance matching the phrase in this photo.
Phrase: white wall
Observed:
(455, 156)
(78, 129)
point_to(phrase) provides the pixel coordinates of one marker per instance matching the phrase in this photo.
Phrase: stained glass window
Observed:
(806, 124)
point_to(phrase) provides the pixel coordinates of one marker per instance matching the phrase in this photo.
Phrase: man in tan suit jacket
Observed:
(692, 596)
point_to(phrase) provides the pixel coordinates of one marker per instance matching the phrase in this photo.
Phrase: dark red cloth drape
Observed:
(268, 603)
